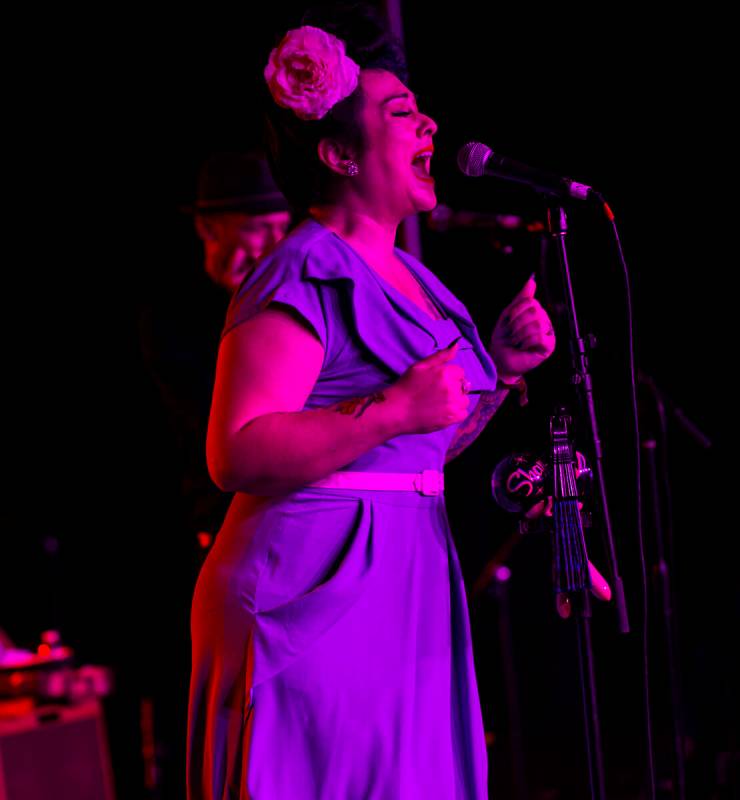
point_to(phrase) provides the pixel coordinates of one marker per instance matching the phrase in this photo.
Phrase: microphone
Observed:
(476, 159)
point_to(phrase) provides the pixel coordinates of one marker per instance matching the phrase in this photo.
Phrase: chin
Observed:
(427, 205)
(424, 202)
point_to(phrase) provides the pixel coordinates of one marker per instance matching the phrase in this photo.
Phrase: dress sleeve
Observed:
(279, 280)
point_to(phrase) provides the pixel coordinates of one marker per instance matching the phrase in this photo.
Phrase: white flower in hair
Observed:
(309, 72)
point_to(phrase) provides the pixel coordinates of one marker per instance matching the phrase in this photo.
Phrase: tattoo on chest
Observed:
(356, 406)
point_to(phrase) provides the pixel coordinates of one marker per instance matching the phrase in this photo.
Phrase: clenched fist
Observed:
(433, 392)
(523, 336)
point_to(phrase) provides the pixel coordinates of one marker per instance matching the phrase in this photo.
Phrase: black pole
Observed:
(558, 228)
(572, 582)
(662, 575)
(581, 377)
(591, 724)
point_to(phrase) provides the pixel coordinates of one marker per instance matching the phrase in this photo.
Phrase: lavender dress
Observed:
(332, 655)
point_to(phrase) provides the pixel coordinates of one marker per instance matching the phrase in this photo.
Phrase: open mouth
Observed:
(421, 165)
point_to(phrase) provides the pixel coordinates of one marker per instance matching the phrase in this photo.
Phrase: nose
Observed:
(273, 235)
(427, 126)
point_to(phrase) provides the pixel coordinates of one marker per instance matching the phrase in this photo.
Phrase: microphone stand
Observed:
(557, 224)
(665, 562)
(572, 582)
(493, 582)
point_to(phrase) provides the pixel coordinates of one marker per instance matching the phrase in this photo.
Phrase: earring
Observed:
(352, 168)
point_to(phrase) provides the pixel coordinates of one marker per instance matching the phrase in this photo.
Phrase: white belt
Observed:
(428, 482)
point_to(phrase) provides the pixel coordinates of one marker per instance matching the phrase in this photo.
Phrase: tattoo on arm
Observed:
(356, 406)
(470, 429)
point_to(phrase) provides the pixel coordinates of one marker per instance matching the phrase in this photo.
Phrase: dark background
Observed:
(114, 129)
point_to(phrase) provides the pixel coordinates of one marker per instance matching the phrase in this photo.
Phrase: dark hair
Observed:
(292, 143)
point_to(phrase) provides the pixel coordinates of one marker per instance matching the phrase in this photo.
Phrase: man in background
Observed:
(239, 215)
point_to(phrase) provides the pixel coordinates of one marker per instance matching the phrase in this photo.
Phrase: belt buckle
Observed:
(429, 482)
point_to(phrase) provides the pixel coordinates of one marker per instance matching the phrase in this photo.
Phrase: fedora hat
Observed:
(236, 182)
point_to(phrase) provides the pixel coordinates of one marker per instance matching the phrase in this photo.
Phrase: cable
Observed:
(640, 533)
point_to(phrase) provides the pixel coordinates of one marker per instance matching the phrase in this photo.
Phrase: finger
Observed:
(536, 346)
(536, 343)
(538, 340)
(549, 506)
(528, 289)
(522, 311)
(599, 587)
(462, 406)
(563, 605)
(539, 325)
(443, 354)
(514, 309)
(453, 373)
(543, 348)
(525, 329)
(537, 510)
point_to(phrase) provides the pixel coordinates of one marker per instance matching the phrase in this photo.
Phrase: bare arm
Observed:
(471, 428)
(259, 439)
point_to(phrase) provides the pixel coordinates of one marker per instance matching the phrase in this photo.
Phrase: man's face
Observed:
(235, 242)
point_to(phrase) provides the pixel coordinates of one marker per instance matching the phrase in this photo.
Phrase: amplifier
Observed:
(55, 751)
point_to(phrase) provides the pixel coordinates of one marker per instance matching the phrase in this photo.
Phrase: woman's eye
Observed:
(401, 114)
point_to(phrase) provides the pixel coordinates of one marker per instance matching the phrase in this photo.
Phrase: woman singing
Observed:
(331, 644)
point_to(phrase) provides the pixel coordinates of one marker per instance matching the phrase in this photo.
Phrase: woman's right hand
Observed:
(430, 393)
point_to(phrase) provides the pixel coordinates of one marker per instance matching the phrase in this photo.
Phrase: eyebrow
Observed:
(404, 95)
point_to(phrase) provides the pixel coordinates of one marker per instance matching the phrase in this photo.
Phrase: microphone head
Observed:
(472, 157)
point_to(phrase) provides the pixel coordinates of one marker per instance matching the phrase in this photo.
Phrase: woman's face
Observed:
(394, 166)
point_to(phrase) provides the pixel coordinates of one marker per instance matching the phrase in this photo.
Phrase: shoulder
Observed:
(289, 256)
(284, 277)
